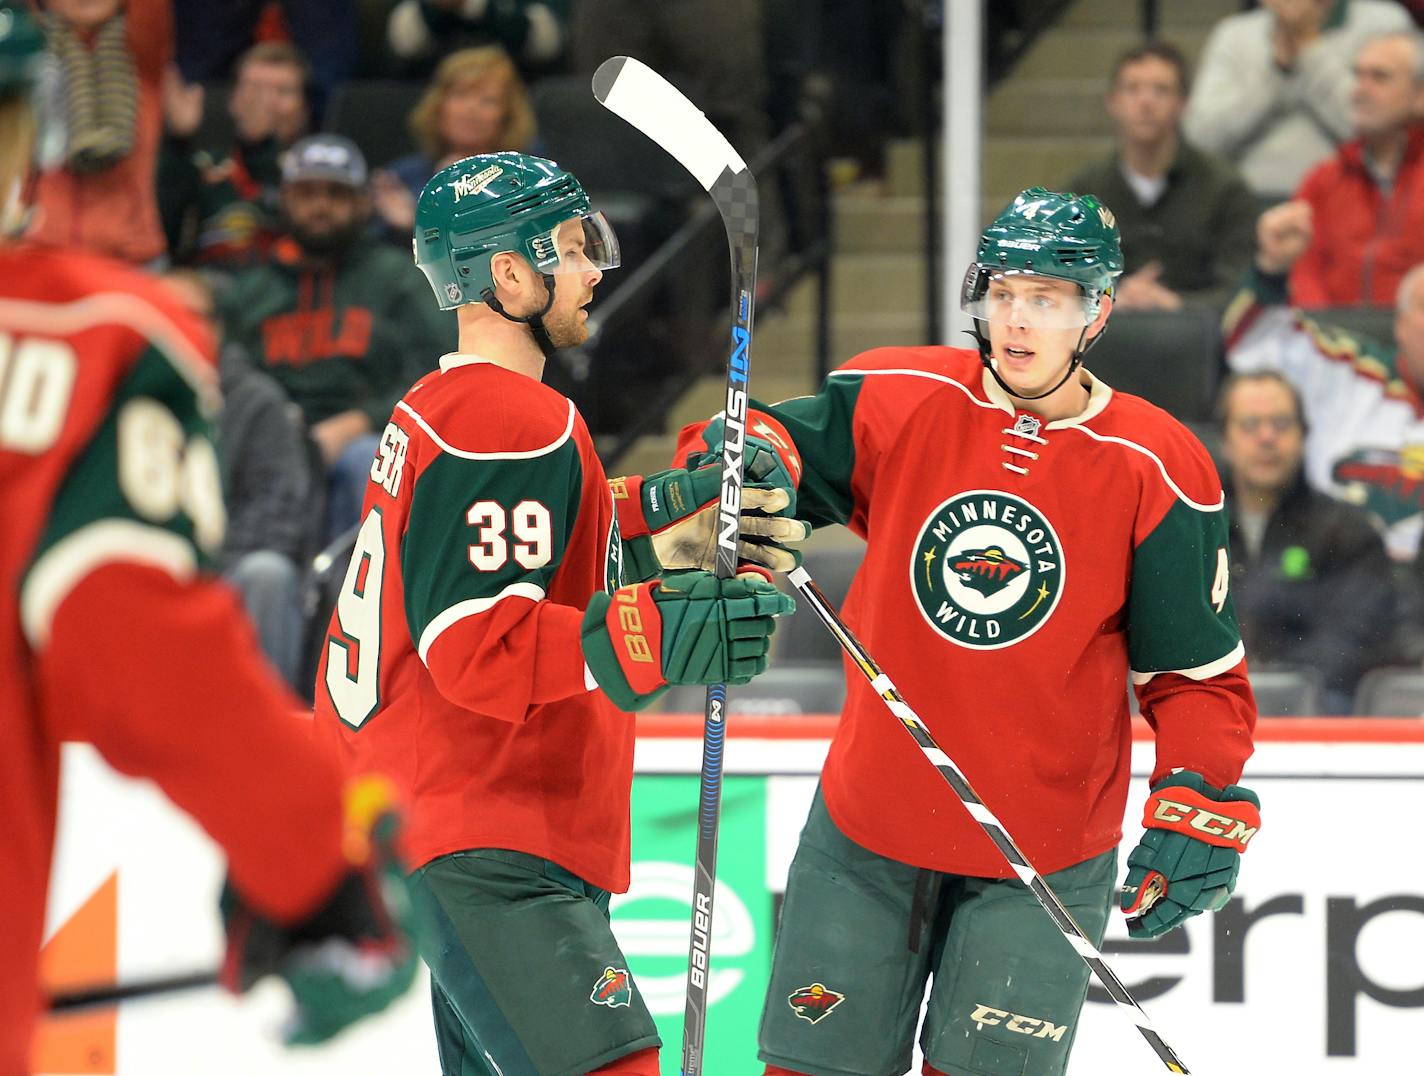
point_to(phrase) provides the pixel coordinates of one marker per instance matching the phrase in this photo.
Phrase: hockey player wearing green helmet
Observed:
(1034, 540)
(496, 628)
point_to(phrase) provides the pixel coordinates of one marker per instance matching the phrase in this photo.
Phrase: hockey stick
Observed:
(93, 997)
(645, 99)
(1062, 918)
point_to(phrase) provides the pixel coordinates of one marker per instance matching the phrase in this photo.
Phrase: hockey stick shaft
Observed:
(647, 101)
(109, 994)
(993, 828)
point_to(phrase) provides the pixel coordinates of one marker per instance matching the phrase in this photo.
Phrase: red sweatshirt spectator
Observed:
(103, 196)
(1367, 203)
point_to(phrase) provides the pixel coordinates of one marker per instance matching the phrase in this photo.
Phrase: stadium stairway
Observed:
(1042, 123)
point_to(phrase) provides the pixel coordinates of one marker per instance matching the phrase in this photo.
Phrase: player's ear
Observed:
(1104, 309)
(509, 272)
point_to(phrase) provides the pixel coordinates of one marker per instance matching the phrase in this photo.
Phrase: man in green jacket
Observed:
(340, 320)
(1187, 218)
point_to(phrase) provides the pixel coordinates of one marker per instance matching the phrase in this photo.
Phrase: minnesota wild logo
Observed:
(815, 1002)
(614, 989)
(1387, 482)
(987, 570)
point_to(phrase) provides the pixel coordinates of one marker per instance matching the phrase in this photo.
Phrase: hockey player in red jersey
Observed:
(488, 639)
(1033, 538)
(113, 632)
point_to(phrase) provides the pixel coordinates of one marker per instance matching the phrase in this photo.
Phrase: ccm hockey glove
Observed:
(686, 628)
(1186, 862)
(349, 958)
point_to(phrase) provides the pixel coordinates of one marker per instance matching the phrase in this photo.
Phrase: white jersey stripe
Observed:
(1162, 467)
(126, 311)
(1201, 672)
(445, 446)
(473, 607)
(69, 561)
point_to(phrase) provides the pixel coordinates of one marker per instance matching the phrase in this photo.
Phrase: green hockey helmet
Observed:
(479, 206)
(1063, 236)
(22, 51)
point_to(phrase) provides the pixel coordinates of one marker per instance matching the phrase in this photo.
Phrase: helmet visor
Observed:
(1035, 301)
(581, 244)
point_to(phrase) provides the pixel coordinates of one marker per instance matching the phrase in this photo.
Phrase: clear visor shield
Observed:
(1026, 299)
(578, 245)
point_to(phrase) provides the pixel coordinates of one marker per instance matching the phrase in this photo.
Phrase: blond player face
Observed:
(1035, 325)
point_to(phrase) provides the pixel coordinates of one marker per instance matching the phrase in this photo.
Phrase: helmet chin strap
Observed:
(986, 356)
(535, 321)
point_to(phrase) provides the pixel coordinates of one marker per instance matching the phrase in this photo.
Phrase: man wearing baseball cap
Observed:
(337, 318)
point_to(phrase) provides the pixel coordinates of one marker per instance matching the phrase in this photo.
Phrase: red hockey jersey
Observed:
(1016, 571)
(453, 659)
(109, 631)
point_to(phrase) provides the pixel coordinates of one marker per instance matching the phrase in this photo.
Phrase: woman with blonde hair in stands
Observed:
(475, 103)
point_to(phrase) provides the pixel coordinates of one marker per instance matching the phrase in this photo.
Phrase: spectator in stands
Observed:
(1187, 219)
(1362, 399)
(533, 32)
(1273, 85)
(111, 56)
(1309, 574)
(476, 103)
(338, 319)
(212, 34)
(267, 491)
(223, 212)
(713, 47)
(1367, 203)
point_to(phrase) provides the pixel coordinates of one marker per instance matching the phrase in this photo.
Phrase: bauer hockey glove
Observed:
(685, 628)
(349, 958)
(1186, 862)
(675, 512)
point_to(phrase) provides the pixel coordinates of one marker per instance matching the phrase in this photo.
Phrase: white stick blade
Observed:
(634, 91)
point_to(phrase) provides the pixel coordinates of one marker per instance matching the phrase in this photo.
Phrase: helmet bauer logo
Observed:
(987, 569)
(468, 185)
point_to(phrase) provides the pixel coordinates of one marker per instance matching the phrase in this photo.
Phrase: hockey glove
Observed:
(686, 628)
(1186, 862)
(678, 509)
(349, 958)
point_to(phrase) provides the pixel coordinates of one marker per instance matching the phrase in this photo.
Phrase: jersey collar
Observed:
(454, 359)
(1098, 396)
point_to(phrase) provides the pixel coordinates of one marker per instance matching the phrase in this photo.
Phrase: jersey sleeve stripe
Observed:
(65, 564)
(1201, 672)
(1162, 467)
(920, 373)
(120, 309)
(445, 446)
(473, 607)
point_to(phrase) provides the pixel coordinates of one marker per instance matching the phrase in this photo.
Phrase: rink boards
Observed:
(1317, 966)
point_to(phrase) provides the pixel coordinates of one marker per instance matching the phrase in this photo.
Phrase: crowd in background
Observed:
(265, 156)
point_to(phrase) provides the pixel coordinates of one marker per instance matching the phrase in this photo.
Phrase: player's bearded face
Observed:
(567, 320)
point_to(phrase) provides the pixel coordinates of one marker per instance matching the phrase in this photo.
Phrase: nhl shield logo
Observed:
(987, 570)
(452, 291)
(614, 989)
(815, 1002)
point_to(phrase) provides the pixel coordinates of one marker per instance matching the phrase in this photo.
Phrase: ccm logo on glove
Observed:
(1191, 813)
